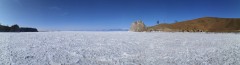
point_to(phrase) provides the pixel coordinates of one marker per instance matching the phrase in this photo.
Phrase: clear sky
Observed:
(109, 14)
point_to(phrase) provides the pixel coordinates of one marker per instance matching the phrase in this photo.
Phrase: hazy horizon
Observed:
(109, 14)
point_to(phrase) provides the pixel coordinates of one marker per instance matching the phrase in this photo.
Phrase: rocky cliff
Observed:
(138, 26)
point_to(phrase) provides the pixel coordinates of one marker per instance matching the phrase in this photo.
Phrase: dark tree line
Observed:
(16, 28)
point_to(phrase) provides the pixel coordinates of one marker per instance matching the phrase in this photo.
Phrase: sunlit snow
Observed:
(119, 48)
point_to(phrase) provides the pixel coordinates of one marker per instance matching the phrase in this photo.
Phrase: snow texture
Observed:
(119, 48)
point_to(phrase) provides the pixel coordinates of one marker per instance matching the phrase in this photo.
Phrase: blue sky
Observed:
(109, 14)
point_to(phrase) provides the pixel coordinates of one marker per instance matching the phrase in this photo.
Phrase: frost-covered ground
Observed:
(119, 48)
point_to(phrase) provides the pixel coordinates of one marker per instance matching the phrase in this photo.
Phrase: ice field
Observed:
(119, 48)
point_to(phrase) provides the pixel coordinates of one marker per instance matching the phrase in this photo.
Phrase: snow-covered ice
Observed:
(119, 48)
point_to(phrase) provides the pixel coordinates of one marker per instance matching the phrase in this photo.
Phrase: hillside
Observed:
(205, 24)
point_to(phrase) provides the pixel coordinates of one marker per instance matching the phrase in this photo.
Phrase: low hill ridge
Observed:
(204, 24)
(16, 28)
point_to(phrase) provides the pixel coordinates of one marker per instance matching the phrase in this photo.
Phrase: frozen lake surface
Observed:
(119, 48)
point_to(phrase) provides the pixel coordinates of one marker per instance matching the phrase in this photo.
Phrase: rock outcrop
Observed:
(16, 28)
(138, 26)
(23, 29)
